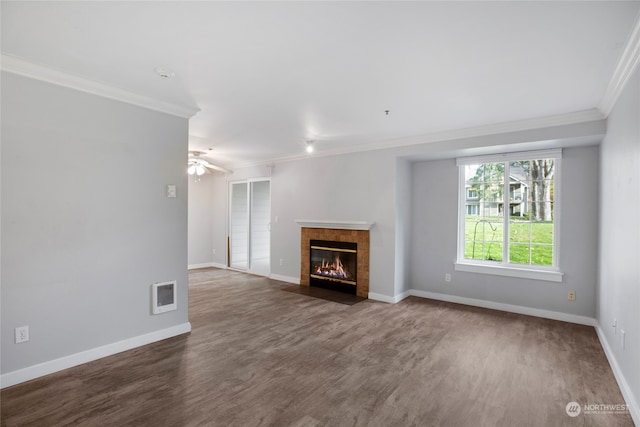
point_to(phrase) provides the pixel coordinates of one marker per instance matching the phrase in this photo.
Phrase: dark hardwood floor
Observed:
(259, 356)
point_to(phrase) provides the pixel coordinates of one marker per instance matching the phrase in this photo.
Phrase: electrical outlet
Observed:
(622, 338)
(447, 277)
(281, 261)
(22, 334)
(214, 251)
(571, 295)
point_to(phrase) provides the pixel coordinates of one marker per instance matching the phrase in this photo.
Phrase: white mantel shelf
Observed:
(344, 225)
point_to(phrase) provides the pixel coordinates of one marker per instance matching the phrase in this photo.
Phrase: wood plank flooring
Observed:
(326, 294)
(259, 356)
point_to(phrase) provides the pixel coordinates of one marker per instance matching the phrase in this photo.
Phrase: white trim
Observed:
(529, 311)
(555, 153)
(385, 298)
(405, 294)
(15, 65)
(627, 393)
(627, 65)
(288, 279)
(577, 117)
(49, 367)
(505, 267)
(462, 211)
(344, 225)
(557, 214)
(510, 271)
(206, 265)
(219, 265)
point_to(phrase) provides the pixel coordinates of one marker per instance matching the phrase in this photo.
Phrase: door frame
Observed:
(230, 184)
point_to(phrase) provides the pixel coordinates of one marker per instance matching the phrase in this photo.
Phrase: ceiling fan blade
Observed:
(195, 160)
(219, 168)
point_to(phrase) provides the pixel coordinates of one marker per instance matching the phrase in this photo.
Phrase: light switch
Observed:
(171, 191)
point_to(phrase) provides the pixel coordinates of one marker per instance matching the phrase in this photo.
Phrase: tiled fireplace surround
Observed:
(361, 237)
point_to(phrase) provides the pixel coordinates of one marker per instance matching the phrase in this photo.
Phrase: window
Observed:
(508, 210)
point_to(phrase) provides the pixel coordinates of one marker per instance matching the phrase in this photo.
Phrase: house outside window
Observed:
(508, 211)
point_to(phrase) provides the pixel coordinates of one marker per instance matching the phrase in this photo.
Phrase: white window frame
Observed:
(505, 268)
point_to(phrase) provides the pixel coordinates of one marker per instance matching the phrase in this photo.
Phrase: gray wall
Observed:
(434, 231)
(404, 197)
(208, 217)
(619, 263)
(357, 186)
(86, 225)
(382, 186)
(200, 220)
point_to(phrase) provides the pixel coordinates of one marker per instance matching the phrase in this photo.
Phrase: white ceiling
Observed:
(268, 76)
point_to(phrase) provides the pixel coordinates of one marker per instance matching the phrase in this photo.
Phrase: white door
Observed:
(260, 233)
(239, 225)
(249, 226)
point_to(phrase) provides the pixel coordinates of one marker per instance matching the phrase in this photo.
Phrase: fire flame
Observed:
(332, 269)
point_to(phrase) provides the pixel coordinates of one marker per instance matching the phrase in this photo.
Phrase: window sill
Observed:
(500, 270)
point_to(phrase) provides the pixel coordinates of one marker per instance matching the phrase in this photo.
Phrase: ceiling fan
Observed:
(198, 166)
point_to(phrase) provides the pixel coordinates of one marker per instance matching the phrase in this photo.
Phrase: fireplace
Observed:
(333, 265)
(335, 242)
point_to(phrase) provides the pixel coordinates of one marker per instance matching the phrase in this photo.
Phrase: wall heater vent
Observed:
(164, 297)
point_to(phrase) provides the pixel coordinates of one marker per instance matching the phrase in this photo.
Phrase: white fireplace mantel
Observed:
(344, 225)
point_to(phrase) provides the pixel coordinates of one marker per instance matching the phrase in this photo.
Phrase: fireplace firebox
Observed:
(333, 265)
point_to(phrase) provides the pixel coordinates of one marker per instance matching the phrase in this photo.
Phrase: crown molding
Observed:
(342, 225)
(627, 65)
(451, 135)
(15, 65)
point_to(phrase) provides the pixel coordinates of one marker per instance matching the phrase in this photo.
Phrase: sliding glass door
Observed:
(249, 226)
(239, 225)
(259, 227)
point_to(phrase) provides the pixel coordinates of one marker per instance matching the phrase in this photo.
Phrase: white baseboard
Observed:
(206, 265)
(386, 298)
(46, 368)
(381, 297)
(547, 314)
(627, 393)
(403, 295)
(288, 279)
(218, 265)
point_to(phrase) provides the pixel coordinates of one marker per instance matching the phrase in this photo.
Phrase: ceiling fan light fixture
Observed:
(198, 166)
